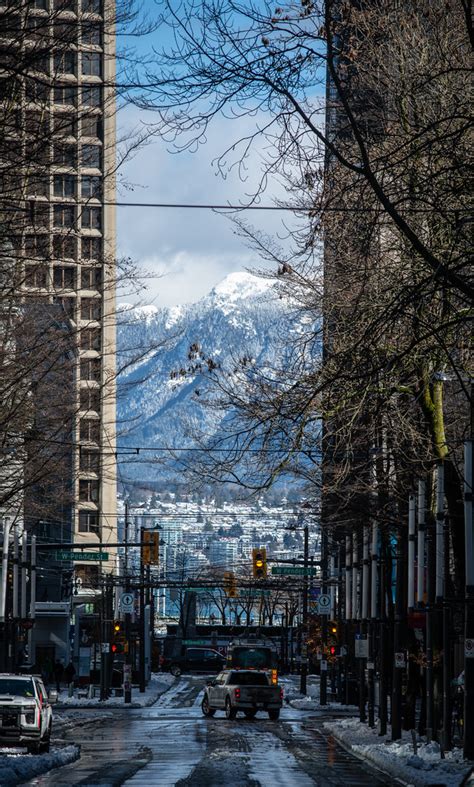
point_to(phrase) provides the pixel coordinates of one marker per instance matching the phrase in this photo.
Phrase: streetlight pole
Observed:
(469, 604)
(304, 661)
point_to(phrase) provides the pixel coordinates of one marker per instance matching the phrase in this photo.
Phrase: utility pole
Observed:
(324, 619)
(142, 620)
(127, 683)
(304, 661)
(469, 602)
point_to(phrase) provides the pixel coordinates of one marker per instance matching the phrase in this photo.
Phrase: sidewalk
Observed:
(311, 701)
(159, 683)
(398, 758)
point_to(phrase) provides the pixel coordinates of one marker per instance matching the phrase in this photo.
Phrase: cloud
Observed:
(192, 249)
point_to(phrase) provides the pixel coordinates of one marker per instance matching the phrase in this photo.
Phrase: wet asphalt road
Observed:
(171, 744)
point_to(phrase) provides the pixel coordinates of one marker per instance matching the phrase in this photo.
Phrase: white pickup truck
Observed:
(247, 691)
(26, 716)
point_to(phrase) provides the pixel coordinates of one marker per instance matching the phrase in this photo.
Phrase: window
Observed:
(42, 4)
(91, 186)
(36, 276)
(65, 95)
(89, 430)
(64, 185)
(91, 218)
(65, 5)
(37, 185)
(90, 369)
(63, 216)
(64, 155)
(92, 96)
(91, 249)
(64, 278)
(91, 126)
(90, 397)
(65, 62)
(36, 246)
(90, 309)
(92, 64)
(92, 33)
(64, 247)
(39, 214)
(65, 32)
(35, 90)
(89, 461)
(36, 123)
(91, 6)
(66, 305)
(88, 491)
(88, 523)
(91, 278)
(91, 156)
(65, 125)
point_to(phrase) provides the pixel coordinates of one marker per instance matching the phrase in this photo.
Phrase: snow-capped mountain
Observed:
(165, 354)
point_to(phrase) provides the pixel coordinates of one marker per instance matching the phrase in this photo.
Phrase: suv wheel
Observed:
(175, 670)
(230, 712)
(205, 707)
(274, 715)
(34, 748)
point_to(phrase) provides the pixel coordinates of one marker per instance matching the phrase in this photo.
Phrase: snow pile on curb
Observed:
(17, 768)
(309, 702)
(156, 687)
(398, 758)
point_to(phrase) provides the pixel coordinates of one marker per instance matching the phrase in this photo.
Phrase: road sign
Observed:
(105, 647)
(294, 571)
(323, 666)
(400, 660)
(63, 555)
(361, 647)
(469, 648)
(126, 602)
(324, 604)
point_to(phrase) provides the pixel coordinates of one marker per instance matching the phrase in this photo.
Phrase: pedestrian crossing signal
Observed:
(230, 586)
(259, 563)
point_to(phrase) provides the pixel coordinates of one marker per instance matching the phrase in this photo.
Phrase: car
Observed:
(195, 660)
(26, 716)
(247, 691)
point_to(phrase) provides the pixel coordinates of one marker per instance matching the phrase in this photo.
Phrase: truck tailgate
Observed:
(260, 694)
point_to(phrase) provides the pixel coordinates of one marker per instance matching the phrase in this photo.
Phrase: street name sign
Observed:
(294, 571)
(64, 555)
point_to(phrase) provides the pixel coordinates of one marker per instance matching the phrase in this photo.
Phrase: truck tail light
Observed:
(237, 694)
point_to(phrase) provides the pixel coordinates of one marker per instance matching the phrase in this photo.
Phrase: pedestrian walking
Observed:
(69, 672)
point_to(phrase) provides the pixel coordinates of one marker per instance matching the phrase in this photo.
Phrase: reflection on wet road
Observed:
(171, 743)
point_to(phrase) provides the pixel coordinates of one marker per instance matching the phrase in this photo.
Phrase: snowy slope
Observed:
(158, 406)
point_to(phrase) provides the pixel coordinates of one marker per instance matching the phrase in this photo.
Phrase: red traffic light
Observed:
(117, 647)
(332, 650)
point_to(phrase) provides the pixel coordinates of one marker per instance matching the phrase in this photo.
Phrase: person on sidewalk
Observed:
(69, 673)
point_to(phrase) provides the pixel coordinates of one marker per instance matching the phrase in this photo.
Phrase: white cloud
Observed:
(192, 249)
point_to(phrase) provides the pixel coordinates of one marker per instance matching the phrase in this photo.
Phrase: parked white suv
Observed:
(25, 712)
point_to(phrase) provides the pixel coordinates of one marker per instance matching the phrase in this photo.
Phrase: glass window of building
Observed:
(88, 491)
(37, 185)
(91, 126)
(92, 33)
(64, 277)
(65, 62)
(63, 216)
(39, 214)
(64, 247)
(89, 523)
(91, 156)
(36, 246)
(91, 96)
(35, 90)
(91, 64)
(91, 278)
(66, 94)
(65, 125)
(89, 430)
(65, 5)
(67, 306)
(89, 461)
(90, 398)
(91, 218)
(90, 309)
(36, 276)
(64, 185)
(91, 6)
(64, 155)
(91, 187)
(91, 249)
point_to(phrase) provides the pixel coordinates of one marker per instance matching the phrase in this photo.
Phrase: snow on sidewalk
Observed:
(158, 684)
(398, 758)
(295, 699)
(16, 768)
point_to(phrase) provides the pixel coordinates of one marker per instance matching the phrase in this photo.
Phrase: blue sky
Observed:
(187, 252)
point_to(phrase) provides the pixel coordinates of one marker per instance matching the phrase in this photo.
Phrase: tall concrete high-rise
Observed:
(57, 167)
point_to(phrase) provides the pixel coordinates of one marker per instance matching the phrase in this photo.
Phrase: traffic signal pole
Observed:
(469, 604)
(127, 682)
(304, 661)
(324, 620)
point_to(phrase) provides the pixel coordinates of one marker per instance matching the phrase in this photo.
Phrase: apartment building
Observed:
(57, 169)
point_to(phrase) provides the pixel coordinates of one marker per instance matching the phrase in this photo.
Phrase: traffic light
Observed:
(150, 547)
(118, 637)
(230, 586)
(259, 562)
(333, 629)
